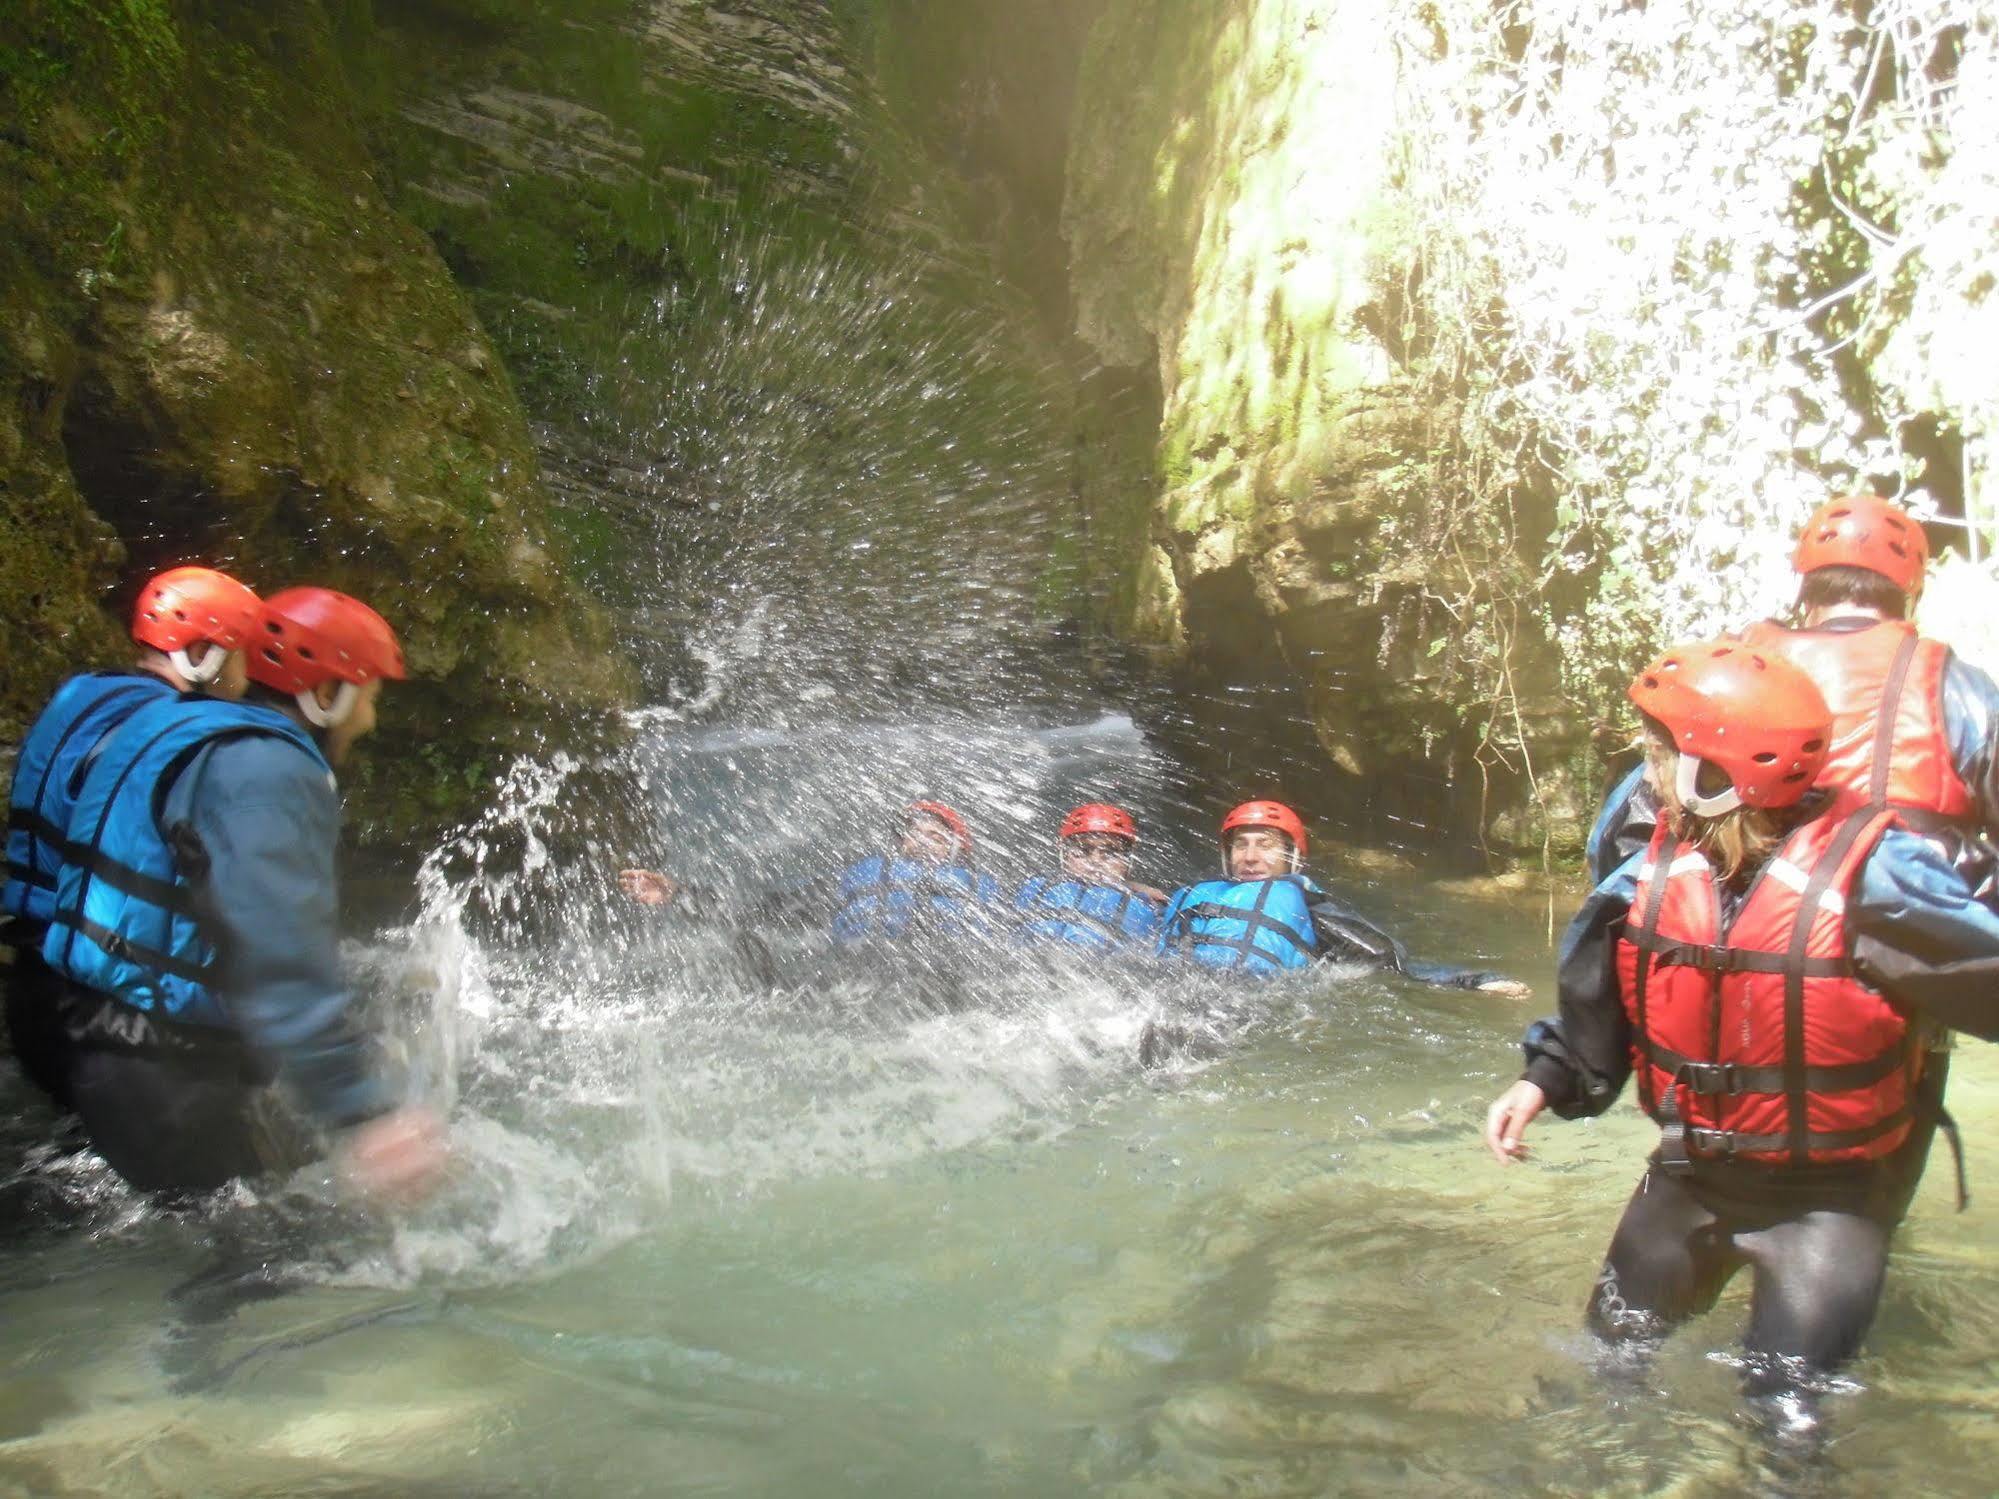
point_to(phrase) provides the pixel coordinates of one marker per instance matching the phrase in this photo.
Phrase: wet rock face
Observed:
(1233, 226)
(237, 352)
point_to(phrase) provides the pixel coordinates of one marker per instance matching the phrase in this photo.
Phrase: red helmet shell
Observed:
(1267, 815)
(947, 815)
(1099, 817)
(1756, 716)
(186, 604)
(314, 635)
(1864, 530)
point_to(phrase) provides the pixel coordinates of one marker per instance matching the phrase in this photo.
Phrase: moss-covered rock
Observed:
(223, 344)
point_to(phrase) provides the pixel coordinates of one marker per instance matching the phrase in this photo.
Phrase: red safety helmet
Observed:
(947, 815)
(186, 604)
(1099, 817)
(1757, 717)
(1864, 530)
(314, 635)
(1266, 815)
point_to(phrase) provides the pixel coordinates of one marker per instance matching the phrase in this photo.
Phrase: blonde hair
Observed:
(1739, 839)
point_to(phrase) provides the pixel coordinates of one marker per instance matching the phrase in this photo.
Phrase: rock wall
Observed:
(224, 344)
(1237, 240)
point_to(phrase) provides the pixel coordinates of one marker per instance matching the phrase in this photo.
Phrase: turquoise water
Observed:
(709, 1237)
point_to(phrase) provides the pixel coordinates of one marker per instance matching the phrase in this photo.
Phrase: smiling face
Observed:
(1259, 854)
(1096, 858)
(928, 840)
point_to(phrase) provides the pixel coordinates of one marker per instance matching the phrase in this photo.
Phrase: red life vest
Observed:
(1757, 1042)
(1884, 685)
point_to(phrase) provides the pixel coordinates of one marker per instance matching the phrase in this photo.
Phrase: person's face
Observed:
(360, 720)
(1258, 854)
(1096, 858)
(928, 840)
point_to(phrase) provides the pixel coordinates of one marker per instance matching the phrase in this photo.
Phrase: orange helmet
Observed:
(949, 816)
(1757, 718)
(1864, 530)
(1266, 815)
(314, 635)
(186, 604)
(1099, 817)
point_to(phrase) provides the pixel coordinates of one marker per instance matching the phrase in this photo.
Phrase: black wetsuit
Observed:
(1816, 1237)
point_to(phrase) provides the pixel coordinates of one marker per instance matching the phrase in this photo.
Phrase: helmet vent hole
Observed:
(1813, 746)
(273, 655)
(305, 653)
(1794, 777)
(1764, 758)
(180, 614)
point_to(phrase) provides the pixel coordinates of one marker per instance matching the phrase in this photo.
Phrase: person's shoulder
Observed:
(259, 765)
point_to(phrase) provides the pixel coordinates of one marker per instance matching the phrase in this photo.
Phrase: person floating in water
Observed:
(924, 888)
(1091, 905)
(1767, 967)
(1264, 916)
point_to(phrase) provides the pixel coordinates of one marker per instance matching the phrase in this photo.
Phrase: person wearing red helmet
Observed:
(924, 886)
(212, 1032)
(1091, 904)
(1265, 915)
(1914, 726)
(191, 625)
(1831, 937)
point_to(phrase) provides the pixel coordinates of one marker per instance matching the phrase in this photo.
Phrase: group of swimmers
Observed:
(1262, 916)
(1793, 907)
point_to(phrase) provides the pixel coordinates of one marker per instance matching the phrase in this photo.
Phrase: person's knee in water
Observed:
(192, 626)
(212, 1031)
(1091, 904)
(1831, 933)
(1265, 915)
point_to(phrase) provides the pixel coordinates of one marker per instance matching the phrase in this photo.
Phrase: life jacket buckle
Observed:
(1710, 1078)
(1716, 1142)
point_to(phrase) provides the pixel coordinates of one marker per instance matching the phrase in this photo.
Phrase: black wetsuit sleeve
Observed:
(1345, 936)
(1624, 825)
(1581, 1057)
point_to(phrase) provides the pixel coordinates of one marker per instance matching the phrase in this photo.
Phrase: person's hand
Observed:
(1511, 988)
(395, 1160)
(1508, 1119)
(1151, 892)
(648, 886)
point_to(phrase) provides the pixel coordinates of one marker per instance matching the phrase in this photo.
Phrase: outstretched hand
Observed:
(395, 1160)
(1507, 1120)
(648, 886)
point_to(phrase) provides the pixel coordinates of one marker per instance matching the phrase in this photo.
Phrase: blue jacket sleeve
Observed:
(1623, 826)
(268, 820)
(1971, 725)
(1921, 937)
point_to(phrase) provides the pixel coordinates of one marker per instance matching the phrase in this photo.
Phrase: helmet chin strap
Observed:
(321, 716)
(202, 672)
(1687, 783)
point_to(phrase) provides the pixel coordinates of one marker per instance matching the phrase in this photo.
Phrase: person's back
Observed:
(191, 625)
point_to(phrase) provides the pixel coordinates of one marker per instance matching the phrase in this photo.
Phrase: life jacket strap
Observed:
(141, 954)
(1253, 920)
(169, 895)
(1715, 1079)
(1721, 958)
(1725, 1143)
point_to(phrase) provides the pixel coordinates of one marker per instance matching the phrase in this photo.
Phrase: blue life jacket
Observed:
(47, 773)
(1097, 917)
(897, 898)
(1260, 926)
(124, 920)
